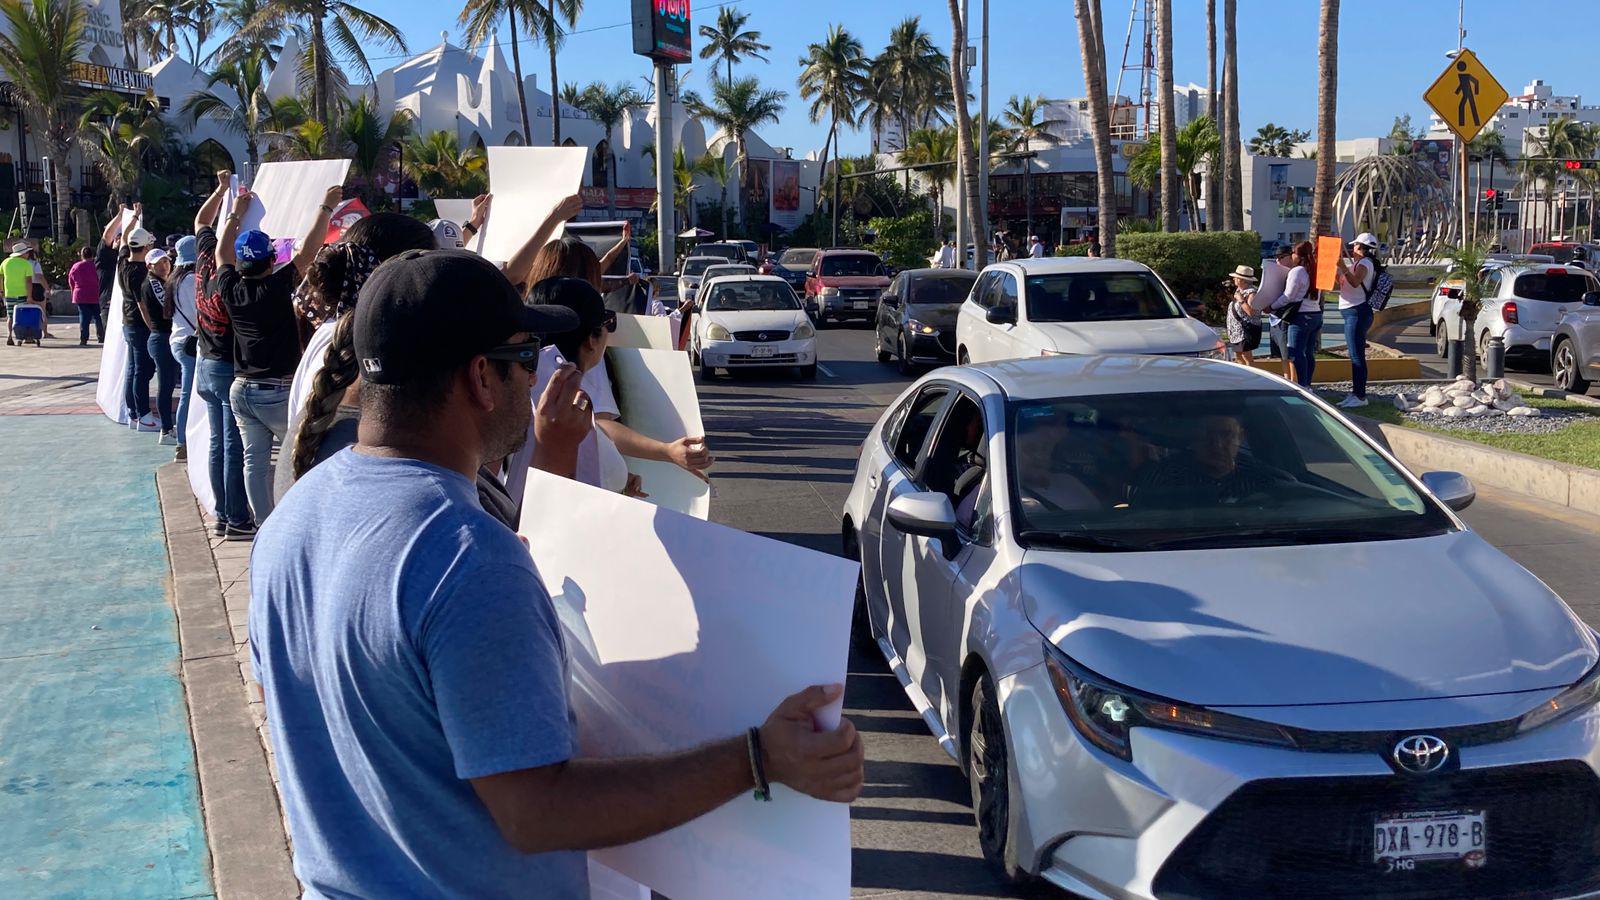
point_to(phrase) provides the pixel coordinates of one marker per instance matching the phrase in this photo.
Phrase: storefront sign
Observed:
(124, 80)
(627, 198)
(785, 194)
(661, 30)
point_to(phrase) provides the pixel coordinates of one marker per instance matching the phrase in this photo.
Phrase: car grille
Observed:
(853, 294)
(1382, 742)
(759, 336)
(1312, 837)
(780, 359)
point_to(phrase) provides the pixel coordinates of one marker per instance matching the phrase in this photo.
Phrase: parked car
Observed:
(794, 264)
(1190, 633)
(1042, 307)
(728, 250)
(845, 284)
(750, 322)
(916, 323)
(719, 270)
(1575, 348)
(693, 270)
(1522, 302)
(752, 251)
(1564, 251)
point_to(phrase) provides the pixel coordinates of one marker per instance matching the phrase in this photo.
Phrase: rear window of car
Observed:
(1559, 252)
(1555, 287)
(941, 290)
(800, 258)
(850, 264)
(698, 266)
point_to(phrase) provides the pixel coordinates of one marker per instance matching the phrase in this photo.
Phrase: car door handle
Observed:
(872, 482)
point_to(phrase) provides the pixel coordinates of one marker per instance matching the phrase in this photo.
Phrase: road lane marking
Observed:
(826, 371)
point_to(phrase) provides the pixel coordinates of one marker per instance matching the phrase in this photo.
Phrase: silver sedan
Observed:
(1191, 634)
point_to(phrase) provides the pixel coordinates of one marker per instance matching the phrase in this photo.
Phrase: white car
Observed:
(693, 271)
(719, 270)
(1190, 633)
(1043, 307)
(752, 322)
(1523, 304)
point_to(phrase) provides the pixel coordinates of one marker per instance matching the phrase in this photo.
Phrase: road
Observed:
(1410, 336)
(785, 456)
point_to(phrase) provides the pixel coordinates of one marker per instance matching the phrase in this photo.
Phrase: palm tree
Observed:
(151, 27)
(934, 149)
(308, 140)
(42, 41)
(1327, 119)
(910, 75)
(1196, 145)
(1026, 118)
(729, 42)
(737, 107)
(1169, 117)
(480, 18)
(334, 28)
(715, 167)
(1092, 44)
(834, 80)
(1275, 140)
(370, 137)
(1214, 169)
(265, 40)
(1466, 263)
(116, 135)
(607, 105)
(684, 186)
(244, 109)
(559, 16)
(1232, 164)
(965, 151)
(441, 168)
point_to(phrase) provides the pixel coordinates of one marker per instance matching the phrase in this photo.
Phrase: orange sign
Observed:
(1328, 250)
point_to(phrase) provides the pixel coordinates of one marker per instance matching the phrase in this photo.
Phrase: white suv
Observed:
(1522, 304)
(1044, 307)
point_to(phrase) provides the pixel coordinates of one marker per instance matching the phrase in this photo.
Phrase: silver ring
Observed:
(581, 402)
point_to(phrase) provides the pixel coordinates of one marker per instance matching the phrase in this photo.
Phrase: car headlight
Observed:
(803, 331)
(1579, 697)
(1217, 352)
(718, 333)
(920, 328)
(1105, 712)
(828, 292)
(1048, 352)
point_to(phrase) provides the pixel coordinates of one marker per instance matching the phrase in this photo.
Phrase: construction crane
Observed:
(1131, 118)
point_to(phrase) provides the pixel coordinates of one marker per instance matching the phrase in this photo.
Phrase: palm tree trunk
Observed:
(1170, 198)
(738, 187)
(822, 173)
(1232, 167)
(611, 178)
(516, 66)
(1327, 108)
(61, 191)
(964, 146)
(1213, 179)
(555, 84)
(319, 89)
(724, 205)
(1091, 42)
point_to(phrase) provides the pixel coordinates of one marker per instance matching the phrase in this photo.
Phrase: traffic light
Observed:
(1573, 165)
(1493, 198)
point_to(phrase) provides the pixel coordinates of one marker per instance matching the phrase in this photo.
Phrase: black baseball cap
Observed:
(428, 311)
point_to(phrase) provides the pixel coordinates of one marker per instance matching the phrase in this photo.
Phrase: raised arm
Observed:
(319, 230)
(619, 249)
(208, 210)
(113, 229)
(520, 266)
(230, 231)
(687, 453)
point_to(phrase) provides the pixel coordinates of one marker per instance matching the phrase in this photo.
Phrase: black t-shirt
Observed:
(105, 266)
(213, 326)
(266, 339)
(154, 299)
(131, 276)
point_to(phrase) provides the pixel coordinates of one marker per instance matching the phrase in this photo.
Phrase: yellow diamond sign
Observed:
(1466, 95)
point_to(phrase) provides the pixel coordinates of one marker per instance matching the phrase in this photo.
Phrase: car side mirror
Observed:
(926, 514)
(1452, 488)
(1001, 315)
(890, 298)
(1592, 298)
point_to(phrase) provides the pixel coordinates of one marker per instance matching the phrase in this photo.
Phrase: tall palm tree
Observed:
(151, 27)
(934, 149)
(912, 75)
(370, 137)
(442, 168)
(263, 39)
(1213, 189)
(1092, 46)
(1169, 117)
(244, 109)
(334, 29)
(1327, 118)
(607, 104)
(1232, 163)
(42, 41)
(480, 18)
(834, 79)
(116, 135)
(560, 15)
(1026, 118)
(715, 167)
(1197, 144)
(729, 41)
(966, 152)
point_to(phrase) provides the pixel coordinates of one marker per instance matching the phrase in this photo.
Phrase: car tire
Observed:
(962, 358)
(877, 346)
(903, 362)
(989, 779)
(861, 636)
(808, 373)
(1441, 340)
(1483, 355)
(1568, 372)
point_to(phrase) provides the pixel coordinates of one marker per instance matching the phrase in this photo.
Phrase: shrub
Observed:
(904, 241)
(1072, 249)
(1195, 263)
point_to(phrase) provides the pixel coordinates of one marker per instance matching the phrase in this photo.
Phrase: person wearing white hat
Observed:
(132, 273)
(1243, 322)
(1355, 282)
(1035, 247)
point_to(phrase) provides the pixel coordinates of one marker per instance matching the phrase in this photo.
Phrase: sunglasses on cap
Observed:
(524, 354)
(609, 321)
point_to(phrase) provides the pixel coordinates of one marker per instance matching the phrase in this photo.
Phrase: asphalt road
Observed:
(786, 452)
(1410, 336)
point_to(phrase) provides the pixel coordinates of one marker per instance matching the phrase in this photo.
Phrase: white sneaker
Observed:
(1352, 402)
(148, 423)
(168, 439)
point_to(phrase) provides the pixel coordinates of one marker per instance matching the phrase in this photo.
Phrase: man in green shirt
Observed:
(17, 274)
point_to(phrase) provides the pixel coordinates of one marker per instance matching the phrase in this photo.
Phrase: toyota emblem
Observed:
(762, 336)
(1421, 753)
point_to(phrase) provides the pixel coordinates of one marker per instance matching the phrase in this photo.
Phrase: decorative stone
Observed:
(1479, 410)
(1453, 412)
(1463, 402)
(1527, 411)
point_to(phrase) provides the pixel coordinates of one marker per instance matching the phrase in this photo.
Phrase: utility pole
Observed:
(1461, 145)
(961, 161)
(983, 127)
(666, 235)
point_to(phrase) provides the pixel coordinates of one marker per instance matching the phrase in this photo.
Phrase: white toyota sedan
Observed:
(1191, 634)
(1045, 307)
(751, 322)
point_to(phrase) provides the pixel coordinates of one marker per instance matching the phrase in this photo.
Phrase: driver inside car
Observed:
(1041, 438)
(1212, 469)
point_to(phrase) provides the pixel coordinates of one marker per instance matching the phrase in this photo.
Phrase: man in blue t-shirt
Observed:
(414, 671)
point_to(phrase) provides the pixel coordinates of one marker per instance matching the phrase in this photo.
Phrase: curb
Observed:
(244, 823)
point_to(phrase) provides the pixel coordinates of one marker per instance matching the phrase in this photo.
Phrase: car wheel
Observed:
(877, 346)
(808, 373)
(1441, 340)
(903, 362)
(861, 636)
(989, 777)
(1483, 354)
(962, 358)
(1564, 365)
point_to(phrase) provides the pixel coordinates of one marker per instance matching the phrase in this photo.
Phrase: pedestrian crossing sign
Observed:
(1465, 95)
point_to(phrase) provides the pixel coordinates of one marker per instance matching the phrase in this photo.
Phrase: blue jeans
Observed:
(227, 450)
(1278, 331)
(90, 312)
(141, 368)
(185, 384)
(167, 375)
(1303, 331)
(262, 410)
(1357, 322)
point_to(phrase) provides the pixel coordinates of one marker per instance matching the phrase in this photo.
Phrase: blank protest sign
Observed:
(643, 332)
(527, 184)
(289, 195)
(655, 392)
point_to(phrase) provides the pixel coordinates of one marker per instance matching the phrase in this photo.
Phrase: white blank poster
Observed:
(289, 194)
(643, 332)
(527, 184)
(655, 391)
(696, 635)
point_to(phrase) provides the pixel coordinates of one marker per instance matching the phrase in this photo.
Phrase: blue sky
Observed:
(1390, 50)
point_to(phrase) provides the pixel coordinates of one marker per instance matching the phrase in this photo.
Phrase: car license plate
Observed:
(1402, 840)
(759, 352)
(859, 304)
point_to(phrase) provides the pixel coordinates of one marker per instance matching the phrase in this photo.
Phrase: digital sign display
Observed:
(661, 30)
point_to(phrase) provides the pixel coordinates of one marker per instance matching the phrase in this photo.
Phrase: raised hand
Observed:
(563, 417)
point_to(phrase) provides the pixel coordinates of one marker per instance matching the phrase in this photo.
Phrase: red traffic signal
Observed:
(1574, 165)
(1490, 193)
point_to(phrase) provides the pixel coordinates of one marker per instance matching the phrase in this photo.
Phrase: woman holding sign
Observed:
(1303, 312)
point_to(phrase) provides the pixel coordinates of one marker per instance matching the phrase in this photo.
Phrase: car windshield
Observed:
(852, 264)
(941, 290)
(800, 259)
(726, 251)
(1191, 470)
(714, 271)
(1555, 285)
(697, 265)
(1099, 297)
(751, 295)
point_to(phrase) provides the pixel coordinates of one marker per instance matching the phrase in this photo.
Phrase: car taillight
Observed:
(1508, 312)
(1555, 271)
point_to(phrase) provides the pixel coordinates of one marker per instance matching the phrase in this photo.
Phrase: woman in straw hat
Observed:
(1244, 323)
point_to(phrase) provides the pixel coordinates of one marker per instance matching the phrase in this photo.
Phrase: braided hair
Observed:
(338, 373)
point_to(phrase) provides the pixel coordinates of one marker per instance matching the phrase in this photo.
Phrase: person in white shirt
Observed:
(1035, 247)
(946, 256)
(183, 339)
(1302, 307)
(1355, 282)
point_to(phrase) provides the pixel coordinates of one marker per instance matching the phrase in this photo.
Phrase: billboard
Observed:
(784, 191)
(1435, 154)
(661, 30)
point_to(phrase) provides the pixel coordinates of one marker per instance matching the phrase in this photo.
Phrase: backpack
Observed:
(1382, 288)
